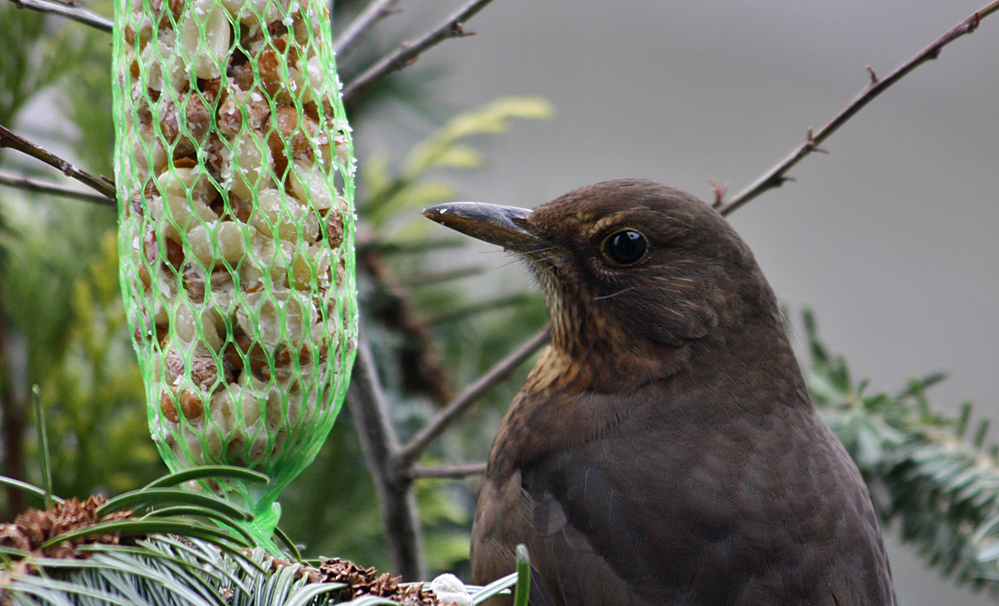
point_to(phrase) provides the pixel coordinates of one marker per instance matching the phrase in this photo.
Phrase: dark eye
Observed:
(625, 247)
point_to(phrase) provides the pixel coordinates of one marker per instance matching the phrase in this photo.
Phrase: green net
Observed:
(235, 184)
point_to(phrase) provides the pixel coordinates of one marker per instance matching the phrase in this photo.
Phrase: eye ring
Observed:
(625, 247)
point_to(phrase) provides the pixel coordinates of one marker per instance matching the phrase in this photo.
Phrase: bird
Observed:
(664, 449)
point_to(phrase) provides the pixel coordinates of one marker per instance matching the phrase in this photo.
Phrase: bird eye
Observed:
(625, 247)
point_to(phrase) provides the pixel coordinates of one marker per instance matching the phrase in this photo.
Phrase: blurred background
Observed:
(889, 238)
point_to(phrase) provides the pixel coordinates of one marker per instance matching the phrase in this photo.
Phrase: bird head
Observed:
(635, 274)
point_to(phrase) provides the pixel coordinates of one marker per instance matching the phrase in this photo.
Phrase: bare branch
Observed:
(70, 11)
(408, 52)
(45, 187)
(776, 175)
(477, 308)
(455, 472)
(101, 184)
(418, 280)
(396, 498)
(498, 373)
(375, 12)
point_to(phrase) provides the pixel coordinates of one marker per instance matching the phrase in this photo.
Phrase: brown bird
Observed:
(664, 449)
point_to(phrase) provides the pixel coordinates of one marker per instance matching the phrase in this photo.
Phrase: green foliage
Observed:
(331, 507)
(33, 58)
(941, 490)
(61, 294)
(387, 195)
(162, 571)
(168, 554)
(58, 306)
(94, 395)
(86, 99)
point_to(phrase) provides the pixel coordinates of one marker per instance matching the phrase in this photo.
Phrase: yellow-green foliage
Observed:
(387, 194)
(60, 291)
(93, 395)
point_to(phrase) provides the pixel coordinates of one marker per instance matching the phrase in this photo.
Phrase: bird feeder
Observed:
(234, 173)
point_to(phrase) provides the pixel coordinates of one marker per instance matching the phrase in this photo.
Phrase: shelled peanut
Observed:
(237, 252)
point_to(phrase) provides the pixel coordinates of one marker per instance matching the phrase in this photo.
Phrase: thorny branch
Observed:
(102, 184)
(70, 11)
(408, 52)
(45, 187)
(375, 12)
(777, 175)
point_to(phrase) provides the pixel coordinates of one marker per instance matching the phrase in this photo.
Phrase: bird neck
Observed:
(593, 352)
(603, 358)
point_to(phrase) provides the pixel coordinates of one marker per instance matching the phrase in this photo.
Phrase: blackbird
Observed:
(664, 449)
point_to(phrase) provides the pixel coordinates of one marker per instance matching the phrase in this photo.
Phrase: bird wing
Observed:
(586, 544)
(614, 524)
(571, 568)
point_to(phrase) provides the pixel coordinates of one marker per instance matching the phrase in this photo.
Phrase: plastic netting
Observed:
(235, 185)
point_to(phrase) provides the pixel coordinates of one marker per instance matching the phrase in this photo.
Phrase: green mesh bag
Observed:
(235, 179)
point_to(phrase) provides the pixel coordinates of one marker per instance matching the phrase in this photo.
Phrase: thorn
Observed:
(812, 145)
(410, 61)
(782, 179)
(458, 31)
(874, 76)
(976, 20)
(720, 191)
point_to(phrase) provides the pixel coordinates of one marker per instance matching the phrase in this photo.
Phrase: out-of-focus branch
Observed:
(454, 472)
(777, 175)
(408, 52)
(473, 392)
(70, 11)
(102, 184)
(355, 32)
(396, 497)
(12, 422)
(45, 187)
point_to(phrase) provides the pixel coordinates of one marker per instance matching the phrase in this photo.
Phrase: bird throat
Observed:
(590, 353)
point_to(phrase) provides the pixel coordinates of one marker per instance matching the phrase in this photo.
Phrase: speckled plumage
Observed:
(664, 450)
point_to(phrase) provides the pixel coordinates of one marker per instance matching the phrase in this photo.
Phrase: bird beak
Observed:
(506, 226)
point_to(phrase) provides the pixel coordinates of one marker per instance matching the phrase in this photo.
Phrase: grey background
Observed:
(891, 238)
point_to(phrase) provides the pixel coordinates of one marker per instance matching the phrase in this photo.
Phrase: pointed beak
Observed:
(506, 226)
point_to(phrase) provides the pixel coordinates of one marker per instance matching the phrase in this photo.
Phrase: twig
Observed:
(21, 182)
(776, 175)
(408, 453)
(375, 12)
(418, 280)
(101, 184)
(408, 52)
(396, 498)
(70, 11)
(457, 472)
